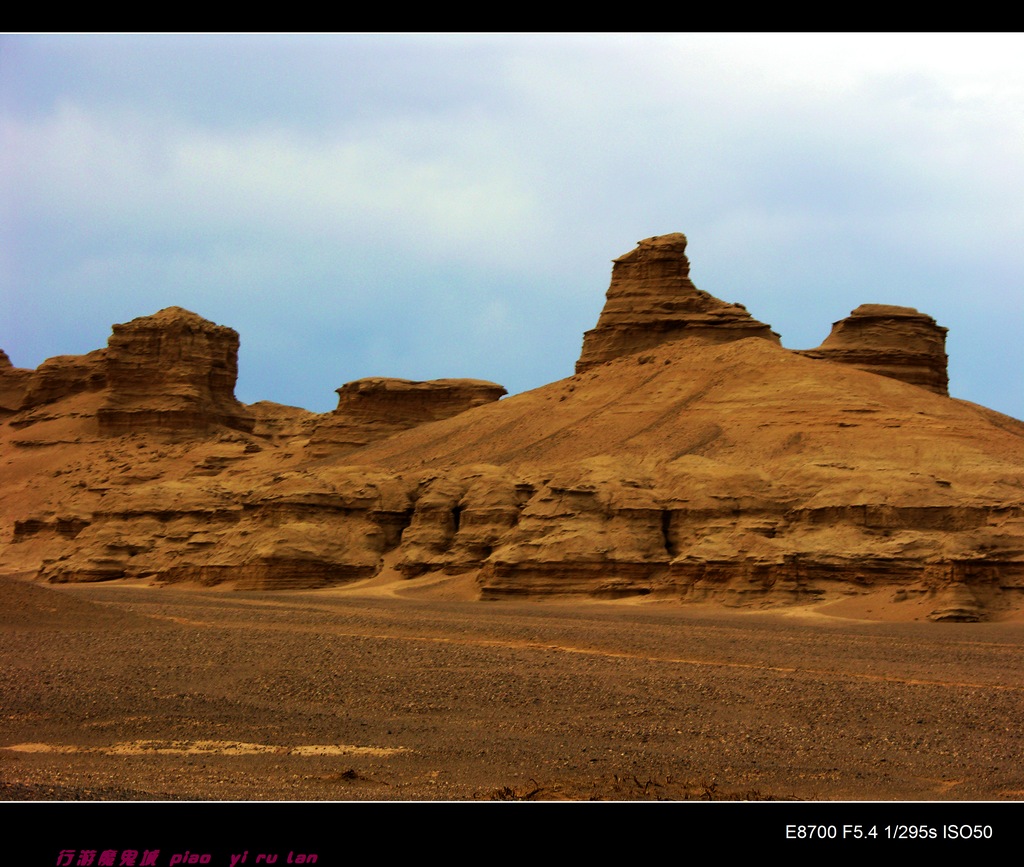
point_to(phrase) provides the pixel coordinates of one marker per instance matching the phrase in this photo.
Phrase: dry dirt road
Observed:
(119, 692)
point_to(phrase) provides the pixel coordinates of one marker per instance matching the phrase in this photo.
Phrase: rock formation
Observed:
(281, 424)
(713, 469)
(256, 531)
(172, 372)
(652, 300)
(13, 385)
(894, 341)
(376, 407)
(57, 378)
(742, 473)
(64, 376)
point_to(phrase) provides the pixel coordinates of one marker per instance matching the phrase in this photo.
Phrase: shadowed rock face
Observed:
(652, 300)
(172, 372)
(898, 342)
(13, 385)
(376, 407)
(280, 423)
(54, 379)
(66, 375)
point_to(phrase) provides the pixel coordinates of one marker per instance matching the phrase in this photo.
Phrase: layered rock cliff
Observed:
(376, 407)
(172, 372)
(652, 300)
(13, 385)
(64, 376)
(54, 379)
(892, 341)
(742, 473)
(717, 468)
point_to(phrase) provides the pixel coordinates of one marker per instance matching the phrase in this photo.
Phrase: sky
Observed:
(448, 205)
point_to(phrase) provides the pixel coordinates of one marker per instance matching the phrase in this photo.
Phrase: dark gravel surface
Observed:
(122, 693)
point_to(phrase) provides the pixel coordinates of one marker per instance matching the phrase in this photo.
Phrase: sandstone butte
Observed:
(691, 457)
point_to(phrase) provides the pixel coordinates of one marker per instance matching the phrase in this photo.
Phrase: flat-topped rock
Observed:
(898, 342)
(172, 372)
(375, 407)
(651, 300)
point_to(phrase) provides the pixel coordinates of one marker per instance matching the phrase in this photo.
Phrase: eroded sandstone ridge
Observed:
(13, 385)
(652, 300)
(54, 379)
(376, 407)
(171, 372)
(894, 341)
(721, 468)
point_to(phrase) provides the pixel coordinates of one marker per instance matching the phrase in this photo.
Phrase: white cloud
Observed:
(422, 187)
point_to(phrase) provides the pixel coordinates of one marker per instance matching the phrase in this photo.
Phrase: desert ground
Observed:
(411, 690)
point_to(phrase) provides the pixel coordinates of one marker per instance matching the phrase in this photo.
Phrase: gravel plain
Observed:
(115, 692)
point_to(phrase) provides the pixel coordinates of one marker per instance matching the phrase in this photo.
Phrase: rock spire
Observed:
(651, 300)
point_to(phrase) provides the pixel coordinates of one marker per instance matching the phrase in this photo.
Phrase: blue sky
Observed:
(448, 205)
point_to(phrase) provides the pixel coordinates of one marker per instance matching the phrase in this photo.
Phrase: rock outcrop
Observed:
(892, 341)
(291, 530)
(709, 469)
(64, 376)
(651, 300)
(172, 372)
(740, 473)
(14, 383)
(55, 379)
(376, 407)
(282, 424)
